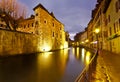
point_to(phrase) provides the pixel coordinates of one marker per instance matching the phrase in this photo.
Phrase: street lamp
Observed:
(97, 30)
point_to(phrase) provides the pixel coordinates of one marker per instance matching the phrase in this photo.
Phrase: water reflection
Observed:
(82, 54)
(59, 66)
(88, 57)
(52, 65)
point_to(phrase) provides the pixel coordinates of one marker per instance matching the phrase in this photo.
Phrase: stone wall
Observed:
(14, 43)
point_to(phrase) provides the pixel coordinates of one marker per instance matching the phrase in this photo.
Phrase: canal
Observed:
(58, 66)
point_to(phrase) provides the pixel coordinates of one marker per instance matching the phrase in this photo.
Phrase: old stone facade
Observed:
(106, 17)
(26, 25)
(113, 26)
(50, 30)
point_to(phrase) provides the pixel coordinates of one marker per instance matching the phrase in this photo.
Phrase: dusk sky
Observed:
(74, 14)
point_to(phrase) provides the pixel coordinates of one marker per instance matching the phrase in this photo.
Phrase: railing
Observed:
(86, 74)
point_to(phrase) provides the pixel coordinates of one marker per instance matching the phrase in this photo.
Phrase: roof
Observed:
(41, 6)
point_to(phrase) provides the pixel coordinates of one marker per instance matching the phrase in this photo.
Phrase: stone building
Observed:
(90, 33)
(113, 26)
(98, 22)
(106, 17)
(26, 25)
(81, 38)
(47, 27)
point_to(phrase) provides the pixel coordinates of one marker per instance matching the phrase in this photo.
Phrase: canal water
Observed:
(58, 66)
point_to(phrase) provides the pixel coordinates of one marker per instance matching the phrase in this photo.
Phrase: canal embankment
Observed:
(18, 43)
(103, 67)
(86, 74)
(14, 43)
(107, 67)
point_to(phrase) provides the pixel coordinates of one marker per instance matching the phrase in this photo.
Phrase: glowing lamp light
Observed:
(66, 45)
(82, 42)
(86, 40)
(97, 30)
(46, 48)
(61, 47)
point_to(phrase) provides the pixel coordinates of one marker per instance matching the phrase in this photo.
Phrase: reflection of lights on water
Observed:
(66, 52)
(73, 51)
(44, 59)
(83, 52)
(78, 52)
(46, 55)
(88, 58)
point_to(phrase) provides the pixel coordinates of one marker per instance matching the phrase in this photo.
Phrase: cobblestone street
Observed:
(106, 69)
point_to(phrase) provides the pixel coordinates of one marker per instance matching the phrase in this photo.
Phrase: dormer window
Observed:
(45, 21)
(36, 14)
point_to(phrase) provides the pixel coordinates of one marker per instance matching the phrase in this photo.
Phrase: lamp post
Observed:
(97, 30)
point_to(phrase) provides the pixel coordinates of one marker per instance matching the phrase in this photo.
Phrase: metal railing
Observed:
(86, 74)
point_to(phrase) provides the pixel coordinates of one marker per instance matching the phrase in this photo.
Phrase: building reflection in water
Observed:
(59, 66)
(52, 65)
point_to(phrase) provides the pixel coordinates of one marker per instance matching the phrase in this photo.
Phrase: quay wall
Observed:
(14, 43)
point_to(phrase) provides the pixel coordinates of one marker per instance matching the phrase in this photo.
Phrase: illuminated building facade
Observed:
(105, 17)
(113, 26)
(26, 25)
(81, 38)
(47, 27)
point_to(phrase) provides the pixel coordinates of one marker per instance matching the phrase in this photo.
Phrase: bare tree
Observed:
(13, 8)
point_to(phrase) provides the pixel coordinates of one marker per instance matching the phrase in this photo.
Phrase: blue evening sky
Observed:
(74, 14)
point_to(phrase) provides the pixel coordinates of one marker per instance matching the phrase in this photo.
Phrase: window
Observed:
(119, 23)
(117, 26)
(36, 22)
(114, 28)
(110, 31)
(60, 28)
(60, 36)
(53, 34)
(117, 6)
(109, 18)
(45, 21)
(106, 22)
(36, 14)
(105, 34)
(53, 25)
(24, 26)
(28, 25)
(32, 24)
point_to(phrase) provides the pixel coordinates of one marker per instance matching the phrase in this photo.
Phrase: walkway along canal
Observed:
(58, 66)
